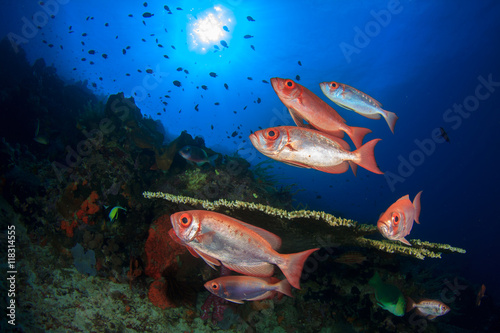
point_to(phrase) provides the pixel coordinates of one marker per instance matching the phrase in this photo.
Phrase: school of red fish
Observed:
(316, 142)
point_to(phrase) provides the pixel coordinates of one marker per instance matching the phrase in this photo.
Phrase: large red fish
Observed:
(239, 246)
(396, 222)
(305, 106)
(357, 101)
(308, 148)
(247, 288)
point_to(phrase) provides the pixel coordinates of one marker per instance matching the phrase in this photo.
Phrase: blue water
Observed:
(417, 58)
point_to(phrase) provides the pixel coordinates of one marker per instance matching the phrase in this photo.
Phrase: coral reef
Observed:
(313, 226)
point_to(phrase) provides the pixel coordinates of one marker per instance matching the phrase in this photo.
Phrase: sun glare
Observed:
(209, 28)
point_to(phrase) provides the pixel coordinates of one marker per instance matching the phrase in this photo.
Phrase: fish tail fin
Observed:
(391, 119)
(357, 135)
(212, 159)
(366, 157)
(284, 287)
(293, 264)
(410, 304)
(416, 205)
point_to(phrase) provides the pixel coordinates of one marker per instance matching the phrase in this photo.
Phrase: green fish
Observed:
(113, 214)
(388, 296)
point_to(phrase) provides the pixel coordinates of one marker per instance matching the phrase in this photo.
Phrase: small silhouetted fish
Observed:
(159, 114)
(212, 126)
(91, 51)
(159, 45)
(234, 134)
(212, 74)
(444, 135)
(297, 77)
(127, 74)
(216, 47)
(265, 81)
(253, 47)
(247, 36)
(179, 69)
(165, 56)
(50, 45)
(225, 28)
(300, 64)
(145, 4)
(83, 59)
(176, 83)
(106, 24)
(105, 56)
(186, 71)
(91, 62)
(124, 51)
(235, 112)
(178, 8)
(100, 78)
(143, 40)
(149, 71)
(69, 28)
(204, 87)
(83, 43)
(250, 19)
(223, 43)
(70, 32)
(216, 103)
(245, 107)
(94, 84)
(87, 18)
(128, 47)
(166, 8)
(196, 107)
(84, 34)
(130, 15)
(139, 71)
(226, 86)
(172, 47)
(249, 78)
(258, 100)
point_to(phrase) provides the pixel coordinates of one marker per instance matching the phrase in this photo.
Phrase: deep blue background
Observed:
(424, 58)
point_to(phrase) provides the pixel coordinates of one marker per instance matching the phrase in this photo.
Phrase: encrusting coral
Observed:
(305, 228)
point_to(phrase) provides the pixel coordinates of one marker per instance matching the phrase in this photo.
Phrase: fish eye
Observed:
(290, 83)
(215, 286)
(272, 134)
(186, 219)
(395, 218)
(334, 85)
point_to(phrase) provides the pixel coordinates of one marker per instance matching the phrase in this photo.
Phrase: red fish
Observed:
(480, 295)
(247, 288)
(396, 222)
(308, 148)
(428, 308)
(357, 101)
(305, 106)
(239, 246)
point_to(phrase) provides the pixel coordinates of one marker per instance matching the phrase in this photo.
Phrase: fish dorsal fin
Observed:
(265, 269)
(272, 239)
(407, 197)
(212, 262)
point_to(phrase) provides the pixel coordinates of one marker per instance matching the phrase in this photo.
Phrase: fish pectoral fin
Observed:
(298, 120)
(431, 317)
(290, 145)
(264, 270)
(212, 262)
(192, 251)
(403, 240)
(205, 238)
